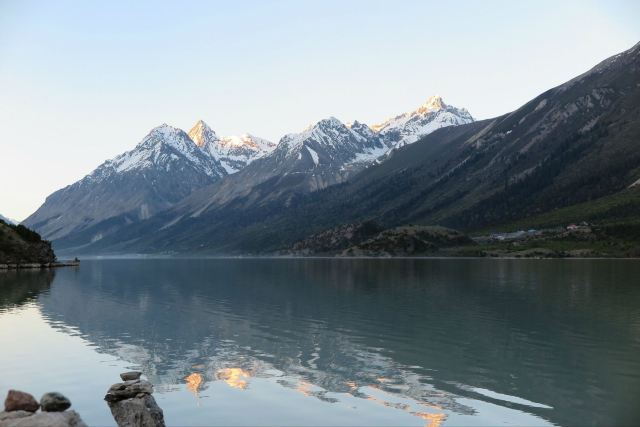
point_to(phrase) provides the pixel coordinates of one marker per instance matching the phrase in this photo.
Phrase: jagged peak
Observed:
(433, 103)
(329, 121)
(164, 128)
(201, 134)
(356, 124)
(201, 125)
(293, 140)
(162, 132)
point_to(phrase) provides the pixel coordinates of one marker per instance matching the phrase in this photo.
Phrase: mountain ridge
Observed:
(572, 143)
(169, 164)
(233, 152)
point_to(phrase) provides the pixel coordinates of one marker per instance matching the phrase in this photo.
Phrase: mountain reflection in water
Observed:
(441, 341)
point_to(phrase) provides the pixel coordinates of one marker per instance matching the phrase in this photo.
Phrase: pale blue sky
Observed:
(83, 81)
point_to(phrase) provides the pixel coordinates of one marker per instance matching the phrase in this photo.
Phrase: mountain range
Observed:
(168, 165)
(435, 165)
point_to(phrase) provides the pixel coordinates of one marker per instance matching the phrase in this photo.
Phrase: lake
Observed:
(344, 342)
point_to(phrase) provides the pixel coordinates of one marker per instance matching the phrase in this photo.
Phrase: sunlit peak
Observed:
(434, 103)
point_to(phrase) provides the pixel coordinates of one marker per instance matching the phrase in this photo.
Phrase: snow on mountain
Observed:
(233, 152)
(354, 145)
(409, 127)
(202, 134)
(323, 154)
(169, 165)
(332, 144)
(162, 169)
(163, 148)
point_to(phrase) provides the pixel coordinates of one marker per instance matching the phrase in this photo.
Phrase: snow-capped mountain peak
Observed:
(433, 103)
(331, 144)
(163, 146)
(428, 117)
(233, 152)
(329, 131)
(202, 134)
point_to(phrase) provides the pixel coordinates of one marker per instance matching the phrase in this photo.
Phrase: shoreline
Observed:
(275, 257)
(38, 266)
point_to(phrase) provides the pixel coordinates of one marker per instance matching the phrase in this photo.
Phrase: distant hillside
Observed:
(7, 220)
(369, 239)
(18, 244)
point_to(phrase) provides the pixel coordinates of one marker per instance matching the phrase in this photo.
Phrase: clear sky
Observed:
(81, 82)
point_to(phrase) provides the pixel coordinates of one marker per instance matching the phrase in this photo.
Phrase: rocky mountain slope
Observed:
(409, 127)
(162, 169)
(324, 154)
(574, 143)
(232, 152)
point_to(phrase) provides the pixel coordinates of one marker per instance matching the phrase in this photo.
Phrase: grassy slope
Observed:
(619, 208)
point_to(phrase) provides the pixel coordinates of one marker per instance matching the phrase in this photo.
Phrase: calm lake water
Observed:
(433, 342)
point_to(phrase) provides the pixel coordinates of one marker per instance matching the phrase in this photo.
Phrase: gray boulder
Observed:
(128, 389)
(54, 402)
(137, 412)
(4, 416)
(129, 376)
(41, 419)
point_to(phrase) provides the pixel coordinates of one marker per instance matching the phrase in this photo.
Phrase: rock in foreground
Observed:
(129, 376)
(137, 412)
(21, 407)
(54, 402)
(41, 419)
(132, 405)
(20, 401)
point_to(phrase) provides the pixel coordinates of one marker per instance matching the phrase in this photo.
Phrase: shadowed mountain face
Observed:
(357, 326)
(162, 169)
(574, 143)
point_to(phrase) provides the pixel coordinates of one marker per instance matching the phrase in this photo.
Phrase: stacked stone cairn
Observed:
(131, 403)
